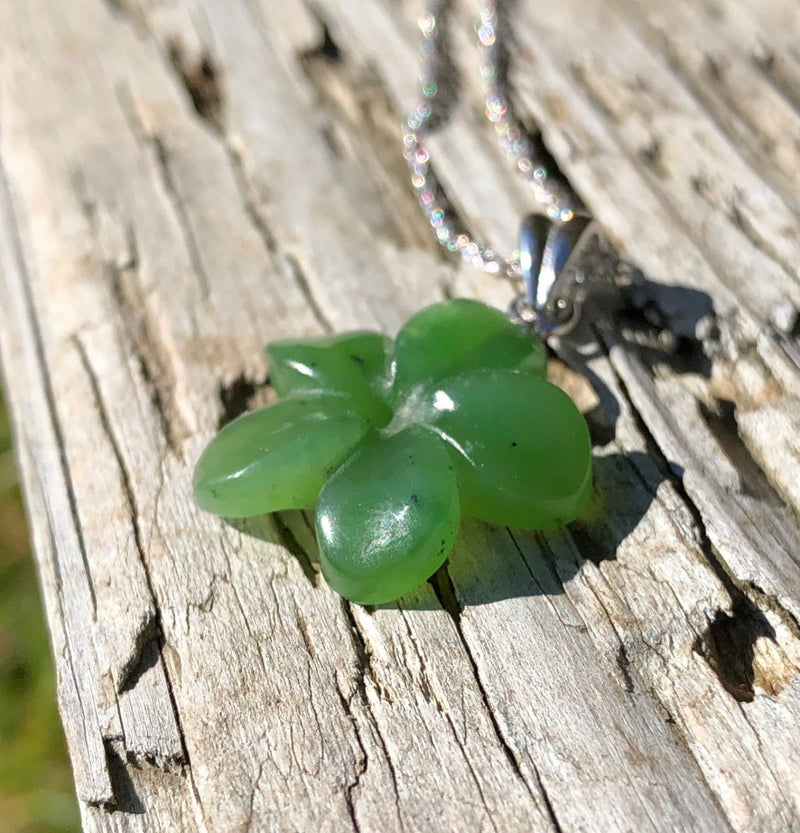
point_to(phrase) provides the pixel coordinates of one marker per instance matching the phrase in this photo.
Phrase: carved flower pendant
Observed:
(391, 443)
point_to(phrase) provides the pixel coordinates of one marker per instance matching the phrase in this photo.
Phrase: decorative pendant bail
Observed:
(548, 260)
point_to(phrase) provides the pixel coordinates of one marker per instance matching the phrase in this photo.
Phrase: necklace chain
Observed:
(556, 199)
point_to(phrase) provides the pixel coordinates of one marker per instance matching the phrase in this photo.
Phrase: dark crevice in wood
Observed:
(127, 11)
(144, 656)
(362, 763)
(327, 49)
(442, 584)
(201, 78)
(791, 330)
(147, 650)
(651, 154)
(547, 579)
(121, 277)
(728, 647)
(589, 548)
(26, 291)
(363, 672)
(302, 626)
(363, 662)
(721, 421)
(125, 797)
(236, 397)
(624, 664)
(332, 143)
(132, 776)
(425, 688)
(765, 601)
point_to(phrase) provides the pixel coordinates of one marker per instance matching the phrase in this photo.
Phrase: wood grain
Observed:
(184, 181)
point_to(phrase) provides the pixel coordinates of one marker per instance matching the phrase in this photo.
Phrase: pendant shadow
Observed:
(671, 327)
(493, 563)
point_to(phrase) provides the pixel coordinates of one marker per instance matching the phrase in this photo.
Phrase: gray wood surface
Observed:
(182, 181)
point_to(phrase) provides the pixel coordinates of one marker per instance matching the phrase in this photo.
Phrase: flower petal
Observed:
(277, 457)
(387, 519)
(353, 363)
(521, 447)
(456, 336)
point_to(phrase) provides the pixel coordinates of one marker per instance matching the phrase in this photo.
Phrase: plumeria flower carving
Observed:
(390, 443)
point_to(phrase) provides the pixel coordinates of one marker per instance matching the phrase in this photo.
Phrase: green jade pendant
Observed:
(391, 443)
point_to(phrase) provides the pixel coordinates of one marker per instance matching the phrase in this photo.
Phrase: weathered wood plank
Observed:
(199, 177)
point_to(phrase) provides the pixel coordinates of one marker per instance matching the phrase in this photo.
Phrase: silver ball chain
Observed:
(555, 199)
(551, 241)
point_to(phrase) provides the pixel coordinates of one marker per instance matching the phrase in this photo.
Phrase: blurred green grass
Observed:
(36, 788)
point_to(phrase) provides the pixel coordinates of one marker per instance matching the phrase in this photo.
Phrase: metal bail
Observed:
(545, 249)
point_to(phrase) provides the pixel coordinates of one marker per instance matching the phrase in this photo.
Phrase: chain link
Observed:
(556, 199)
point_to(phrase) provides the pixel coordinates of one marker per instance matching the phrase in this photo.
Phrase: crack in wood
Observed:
(148, 627)
(302, 281)
(363, 761)
(164, 164)
(359, 112)
(327, 49)
(201, 78)
(696, 234)
(208, 104)
(290, 261)
(364, 672)
(728, 642)
(122, 279)
(624, 664)
(428, 692)
(129, 772)
(253, 791)
(249, 201)
(712, 77)
(154, 365)
(443, 583)
(45, 377)
(720, 418)
(149, 638)
(302, 626)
